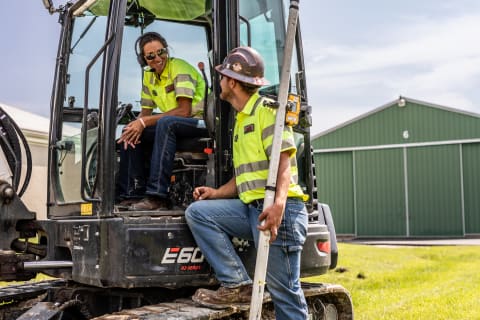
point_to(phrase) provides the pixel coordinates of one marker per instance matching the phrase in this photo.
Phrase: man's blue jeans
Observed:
(161, 141)
(213, 224)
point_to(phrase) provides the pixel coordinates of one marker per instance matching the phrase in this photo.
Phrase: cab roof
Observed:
(179, 10)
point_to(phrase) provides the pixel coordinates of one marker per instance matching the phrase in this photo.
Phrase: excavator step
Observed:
(184, 309)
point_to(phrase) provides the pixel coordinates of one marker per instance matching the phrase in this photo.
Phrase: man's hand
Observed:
(202, 193)
(131, 134)
(272, 217)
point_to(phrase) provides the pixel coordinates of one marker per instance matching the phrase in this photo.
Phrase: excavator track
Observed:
(16, 299)
(325, 301)
(184, 309)
(26, 291)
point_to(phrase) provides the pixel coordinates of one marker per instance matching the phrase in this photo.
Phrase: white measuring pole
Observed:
(264, 237)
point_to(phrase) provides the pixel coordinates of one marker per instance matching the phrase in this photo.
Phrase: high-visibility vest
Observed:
(178, 79)
(252, 146)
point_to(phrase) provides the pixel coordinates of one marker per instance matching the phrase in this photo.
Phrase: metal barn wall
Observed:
(434, 191)
(406, 169)
(380, 192)
(471, 186)
(388, 125)
(334, 173)
(410, 191)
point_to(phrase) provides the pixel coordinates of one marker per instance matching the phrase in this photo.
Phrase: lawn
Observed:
(409, 283)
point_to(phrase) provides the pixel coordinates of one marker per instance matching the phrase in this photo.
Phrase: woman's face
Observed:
(156, 55)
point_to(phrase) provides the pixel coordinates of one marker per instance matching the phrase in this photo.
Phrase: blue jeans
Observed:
(161, 141)
(213, 224)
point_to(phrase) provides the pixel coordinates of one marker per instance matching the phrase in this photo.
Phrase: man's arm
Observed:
(273, 215)
(228, 190)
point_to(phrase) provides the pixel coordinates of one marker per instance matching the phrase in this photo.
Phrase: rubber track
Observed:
(27, 290)
(186, 309)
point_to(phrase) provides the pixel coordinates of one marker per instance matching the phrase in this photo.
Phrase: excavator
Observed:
(100, 260)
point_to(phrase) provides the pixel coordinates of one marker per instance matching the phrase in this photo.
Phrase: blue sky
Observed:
(359, 55)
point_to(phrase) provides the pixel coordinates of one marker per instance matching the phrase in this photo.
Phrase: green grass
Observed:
(409, 283)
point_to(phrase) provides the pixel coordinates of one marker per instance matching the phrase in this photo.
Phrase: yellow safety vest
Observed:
(252, 146)
(178, 79)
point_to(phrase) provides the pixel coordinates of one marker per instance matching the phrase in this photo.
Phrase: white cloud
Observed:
(436, 61)
(432, 44)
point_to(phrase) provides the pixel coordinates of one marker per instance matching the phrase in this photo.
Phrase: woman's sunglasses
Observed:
(160, 53)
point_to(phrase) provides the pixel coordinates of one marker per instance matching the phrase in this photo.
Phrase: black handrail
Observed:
(86, 197)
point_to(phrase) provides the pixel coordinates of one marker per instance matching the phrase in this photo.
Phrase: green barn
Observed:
(406, 169)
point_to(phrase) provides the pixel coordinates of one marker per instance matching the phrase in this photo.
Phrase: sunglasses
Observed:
(160, 53)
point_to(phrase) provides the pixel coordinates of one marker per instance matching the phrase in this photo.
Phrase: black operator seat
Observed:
(196, 146)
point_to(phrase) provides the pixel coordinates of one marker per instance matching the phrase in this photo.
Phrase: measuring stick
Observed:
(264, 237)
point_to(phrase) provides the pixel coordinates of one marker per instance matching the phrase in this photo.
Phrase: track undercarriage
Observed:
(61, 300)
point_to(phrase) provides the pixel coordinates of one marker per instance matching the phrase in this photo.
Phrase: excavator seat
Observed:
(193, 149)
(198, 147)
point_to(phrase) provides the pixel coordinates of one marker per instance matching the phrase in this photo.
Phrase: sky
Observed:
(359, 55)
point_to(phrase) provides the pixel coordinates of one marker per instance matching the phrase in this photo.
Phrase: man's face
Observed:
(156, 55)
(226, 92)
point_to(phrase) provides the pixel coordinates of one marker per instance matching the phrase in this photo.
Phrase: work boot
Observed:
(128, 202)
(223, 297)
(150, 203)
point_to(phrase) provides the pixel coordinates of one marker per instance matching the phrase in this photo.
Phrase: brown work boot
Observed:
(223, 297)
(150, 203)
(128, 202)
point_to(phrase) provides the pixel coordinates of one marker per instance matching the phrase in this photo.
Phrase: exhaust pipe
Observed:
(42, 265)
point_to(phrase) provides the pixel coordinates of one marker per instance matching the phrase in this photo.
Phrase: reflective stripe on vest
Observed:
(179, 79)
(252, 149)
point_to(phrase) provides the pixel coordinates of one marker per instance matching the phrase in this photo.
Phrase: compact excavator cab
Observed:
(134, 259)
(100, 82)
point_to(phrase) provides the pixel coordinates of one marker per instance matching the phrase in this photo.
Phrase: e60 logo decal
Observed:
(183, 255)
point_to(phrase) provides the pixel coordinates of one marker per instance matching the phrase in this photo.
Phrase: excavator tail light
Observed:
(323, 246)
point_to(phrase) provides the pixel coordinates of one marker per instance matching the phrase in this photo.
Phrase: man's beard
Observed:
(225, 95)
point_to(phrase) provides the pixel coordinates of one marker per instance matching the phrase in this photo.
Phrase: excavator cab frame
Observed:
(98, 78)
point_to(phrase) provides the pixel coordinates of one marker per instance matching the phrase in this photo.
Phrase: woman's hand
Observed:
(131, 133)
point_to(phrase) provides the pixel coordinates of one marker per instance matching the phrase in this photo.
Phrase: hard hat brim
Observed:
(255, 81)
